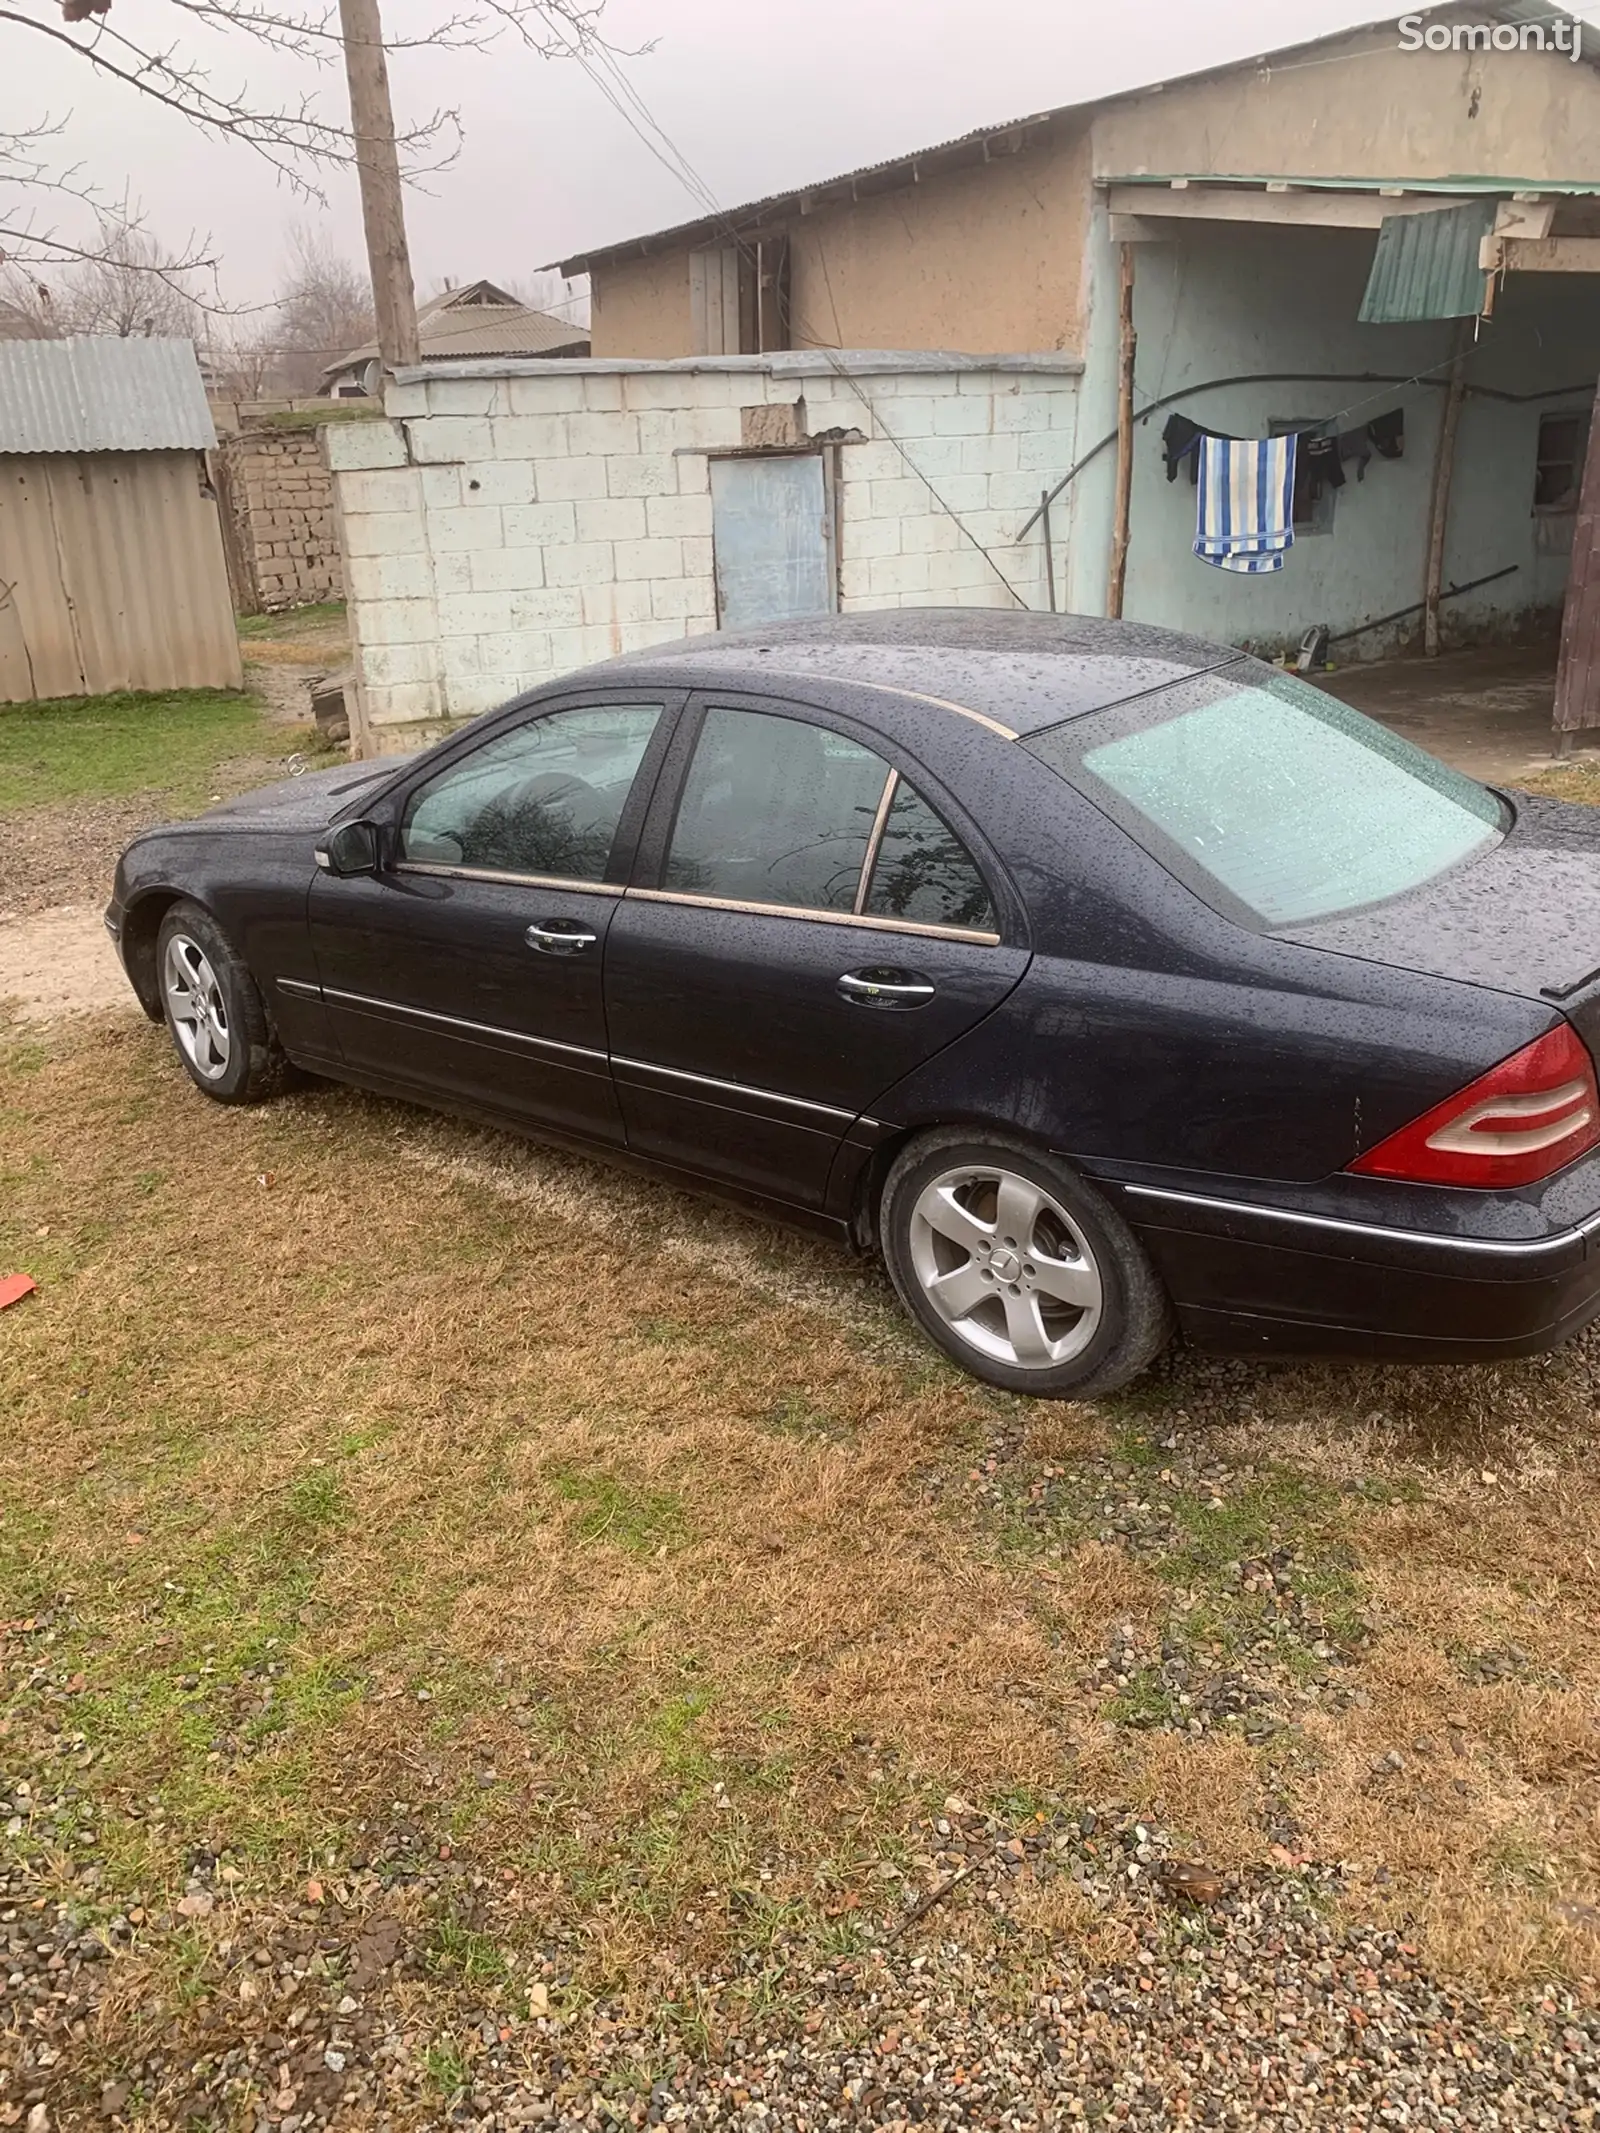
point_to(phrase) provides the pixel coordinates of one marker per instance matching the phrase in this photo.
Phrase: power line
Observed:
(628, 103)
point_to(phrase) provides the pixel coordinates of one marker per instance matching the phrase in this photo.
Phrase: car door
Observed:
(469, 966)
(805, 927)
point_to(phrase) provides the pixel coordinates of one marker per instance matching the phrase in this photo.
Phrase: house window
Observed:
(739, 297)
(1558, 467)
(1313, 497)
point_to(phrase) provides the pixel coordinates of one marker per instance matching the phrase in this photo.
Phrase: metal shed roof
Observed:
(99, 393)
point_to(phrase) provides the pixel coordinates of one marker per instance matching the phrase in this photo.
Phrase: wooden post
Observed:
(1578, 671)
(1443, 469)
(378, 167)
(1127, 346)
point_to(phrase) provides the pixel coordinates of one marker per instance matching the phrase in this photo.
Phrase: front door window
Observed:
(542, 801)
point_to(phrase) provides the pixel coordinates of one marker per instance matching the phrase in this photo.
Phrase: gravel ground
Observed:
(1251, 2011)
(1006, 1974)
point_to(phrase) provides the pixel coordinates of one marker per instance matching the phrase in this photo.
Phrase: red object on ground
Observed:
(13, 1287)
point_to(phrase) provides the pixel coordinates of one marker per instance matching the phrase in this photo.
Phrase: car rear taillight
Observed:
(1529, 1116)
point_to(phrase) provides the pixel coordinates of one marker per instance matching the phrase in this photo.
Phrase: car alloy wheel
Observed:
(196, 1008)
(1006, 1267)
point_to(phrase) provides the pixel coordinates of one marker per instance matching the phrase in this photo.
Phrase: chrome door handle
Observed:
(885, 988)
(560, 936)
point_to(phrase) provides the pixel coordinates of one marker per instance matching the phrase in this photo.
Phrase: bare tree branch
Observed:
(297, 138)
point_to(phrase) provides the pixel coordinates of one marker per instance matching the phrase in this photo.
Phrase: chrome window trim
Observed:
(920, 696)
(521, 881)
(826, 918)
(1512, 1248)
(875, 838)
(734, 1088)
(481, 1029)
(884, 688)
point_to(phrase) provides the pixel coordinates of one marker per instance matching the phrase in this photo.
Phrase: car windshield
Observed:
(1274, 800)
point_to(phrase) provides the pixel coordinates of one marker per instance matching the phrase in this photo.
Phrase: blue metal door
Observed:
(772, 531)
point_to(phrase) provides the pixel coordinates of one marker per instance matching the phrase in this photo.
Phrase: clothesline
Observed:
(1399, 385)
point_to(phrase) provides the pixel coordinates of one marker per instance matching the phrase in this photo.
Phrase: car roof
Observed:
(1023, 671)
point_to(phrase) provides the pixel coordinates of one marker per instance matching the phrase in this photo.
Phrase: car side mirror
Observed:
(352, 848)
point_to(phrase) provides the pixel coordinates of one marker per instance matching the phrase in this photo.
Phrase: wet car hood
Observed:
(304, 803)
(1523, 918)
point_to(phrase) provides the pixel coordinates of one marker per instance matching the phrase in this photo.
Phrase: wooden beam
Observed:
(1524, 218)
(1443, 470)
(1578, 671)
(1307, 210)
(1126, 350)
(1549, 255)
(1143, 229)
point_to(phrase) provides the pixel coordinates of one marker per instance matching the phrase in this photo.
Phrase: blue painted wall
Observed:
(1229, 299)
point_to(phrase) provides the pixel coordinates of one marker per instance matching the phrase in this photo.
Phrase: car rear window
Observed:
(1275, 801)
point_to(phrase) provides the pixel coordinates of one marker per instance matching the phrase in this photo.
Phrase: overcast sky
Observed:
(758, 96)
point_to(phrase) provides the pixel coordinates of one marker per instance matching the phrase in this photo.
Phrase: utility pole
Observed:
(378, 166)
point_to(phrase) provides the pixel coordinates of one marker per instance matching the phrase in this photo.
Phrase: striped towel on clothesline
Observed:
(1246, 504)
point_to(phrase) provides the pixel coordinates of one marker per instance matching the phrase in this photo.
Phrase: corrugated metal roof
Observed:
(1496, 188)
(99, 393)
(1426, 266)
(752, 214)
(448, 327)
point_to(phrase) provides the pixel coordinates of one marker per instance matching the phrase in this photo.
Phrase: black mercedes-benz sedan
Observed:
(1108, 982)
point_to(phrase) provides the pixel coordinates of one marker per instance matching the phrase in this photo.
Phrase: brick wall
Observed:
(277, 496)
(507, 527)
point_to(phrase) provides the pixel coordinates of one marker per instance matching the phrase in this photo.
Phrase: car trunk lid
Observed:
(1521, 918)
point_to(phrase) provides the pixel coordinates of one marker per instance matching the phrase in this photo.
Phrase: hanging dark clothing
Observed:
(1316, 467)
(1355, 448)
(1388, 434)
(1321, 455)
(1178, 441)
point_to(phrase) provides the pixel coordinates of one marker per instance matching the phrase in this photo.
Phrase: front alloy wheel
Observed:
(196, 1008)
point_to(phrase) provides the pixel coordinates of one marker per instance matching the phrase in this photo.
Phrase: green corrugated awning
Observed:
(1426, 266)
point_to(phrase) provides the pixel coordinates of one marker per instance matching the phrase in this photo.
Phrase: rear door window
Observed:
(775, 811)
(779, 811)
(1275, 801)
(922, 871)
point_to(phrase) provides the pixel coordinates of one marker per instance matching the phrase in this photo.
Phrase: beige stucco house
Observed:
(950, 377)
(1249, 199)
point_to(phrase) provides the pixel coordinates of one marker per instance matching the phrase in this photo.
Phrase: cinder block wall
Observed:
(508, 527)
(278, 495)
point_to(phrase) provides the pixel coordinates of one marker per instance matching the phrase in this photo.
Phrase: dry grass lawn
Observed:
(372, 1470)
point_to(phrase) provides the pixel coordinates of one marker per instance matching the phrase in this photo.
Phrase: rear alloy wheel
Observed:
(1018, 1269)
(214, 1010)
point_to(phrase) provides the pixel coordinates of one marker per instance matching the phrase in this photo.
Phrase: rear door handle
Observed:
(560, 936)
(886, 988)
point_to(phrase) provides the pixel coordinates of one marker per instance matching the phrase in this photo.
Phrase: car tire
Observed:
(214, 1011)
(1018, 1269)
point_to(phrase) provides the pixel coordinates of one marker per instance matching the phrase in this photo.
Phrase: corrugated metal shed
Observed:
(1426, 266)
(99, 393)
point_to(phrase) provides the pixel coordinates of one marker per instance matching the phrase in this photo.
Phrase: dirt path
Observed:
(56, 862)
(61, 962)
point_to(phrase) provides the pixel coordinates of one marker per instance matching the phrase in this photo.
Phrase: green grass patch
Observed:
(290, 622)
(314, 418)
(94, 747)
(642, 1521)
